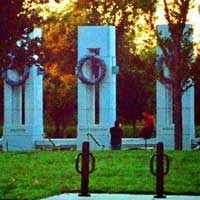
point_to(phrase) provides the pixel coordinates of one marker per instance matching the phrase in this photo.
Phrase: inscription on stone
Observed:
(167, 129)
(93, 129)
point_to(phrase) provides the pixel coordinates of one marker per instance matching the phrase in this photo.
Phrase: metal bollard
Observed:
(85, 171)
(159, 173)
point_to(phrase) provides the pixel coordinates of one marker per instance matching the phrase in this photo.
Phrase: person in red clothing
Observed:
(148, 127)
(116, 136)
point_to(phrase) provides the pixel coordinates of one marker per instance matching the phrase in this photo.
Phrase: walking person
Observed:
(116, 136)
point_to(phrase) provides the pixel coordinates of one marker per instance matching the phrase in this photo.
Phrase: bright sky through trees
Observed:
(62, 6)
(193, 18)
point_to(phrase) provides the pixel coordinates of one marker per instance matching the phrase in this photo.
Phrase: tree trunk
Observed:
(177, 109)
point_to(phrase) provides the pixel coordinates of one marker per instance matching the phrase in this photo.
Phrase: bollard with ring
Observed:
(159, 172)
(85, 171)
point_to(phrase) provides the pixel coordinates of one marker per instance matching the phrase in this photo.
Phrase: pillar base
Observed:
(21, 137)
(165, 135)
(97, 135)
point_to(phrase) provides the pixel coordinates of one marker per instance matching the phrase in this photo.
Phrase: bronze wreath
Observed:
(22, 79)
(97, 62)
(161, 60)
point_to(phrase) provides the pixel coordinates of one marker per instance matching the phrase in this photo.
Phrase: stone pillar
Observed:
(102, 38)
(34, 104)
(188, 118)
(25, 102)
(164, 121)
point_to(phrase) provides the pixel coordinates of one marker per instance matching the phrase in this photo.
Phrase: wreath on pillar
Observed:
(161, 60)
(22, 55)
(22, 78)
(98, 68)
(169, 61)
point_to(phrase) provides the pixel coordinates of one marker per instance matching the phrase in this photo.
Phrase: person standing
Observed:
(116, 136)
(148, 126)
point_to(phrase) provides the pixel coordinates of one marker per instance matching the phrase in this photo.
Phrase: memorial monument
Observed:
(164, 124)
(96, 71)
(23, 106)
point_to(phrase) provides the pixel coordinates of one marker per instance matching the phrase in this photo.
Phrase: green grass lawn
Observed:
(35, 175)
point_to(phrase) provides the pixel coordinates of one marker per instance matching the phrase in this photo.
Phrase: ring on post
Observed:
(16, 83)
(97, 65)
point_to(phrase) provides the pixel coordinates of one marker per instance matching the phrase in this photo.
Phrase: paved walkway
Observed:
(72, 196)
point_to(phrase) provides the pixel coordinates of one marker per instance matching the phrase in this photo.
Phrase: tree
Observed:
(60, 50)
(16, 25)
(136, 90)
(59, 46)
(178, 58)
(59, 99)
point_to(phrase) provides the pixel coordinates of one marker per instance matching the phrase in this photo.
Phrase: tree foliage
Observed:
(59, 100)
(16, 26)
(59, 46)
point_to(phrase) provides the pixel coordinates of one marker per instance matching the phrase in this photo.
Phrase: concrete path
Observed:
(72, 196)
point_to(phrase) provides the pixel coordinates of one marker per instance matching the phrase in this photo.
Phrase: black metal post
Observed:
(160, 173)
(85, 171)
